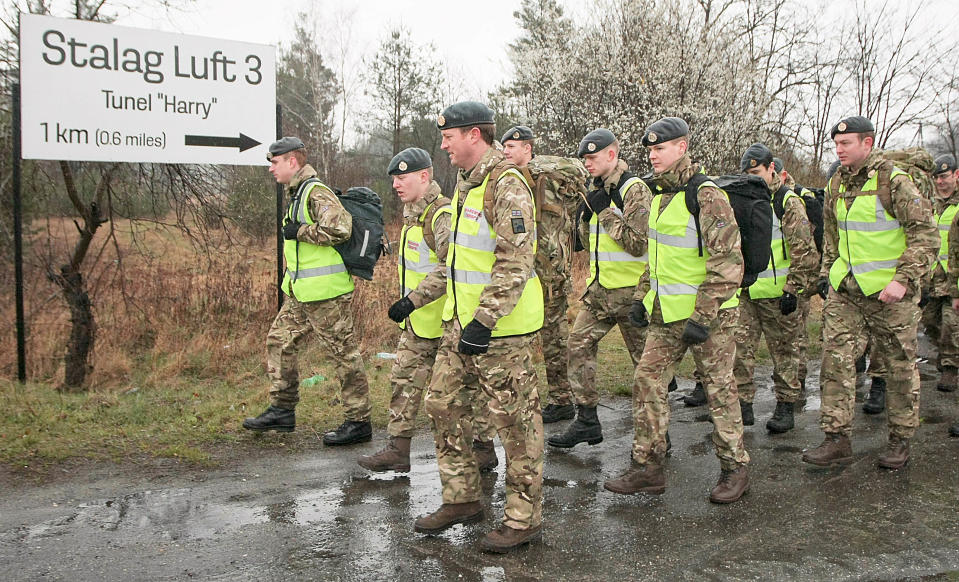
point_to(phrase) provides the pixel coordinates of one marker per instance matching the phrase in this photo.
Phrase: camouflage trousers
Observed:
(803, 310)
(332, 321)
(553, 338)
(849, 319)
(784, 337)
(508, 381)
(410, 377)
(714, 360)
(942, 328)
(602, 309)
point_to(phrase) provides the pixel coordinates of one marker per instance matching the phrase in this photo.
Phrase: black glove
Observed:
(788, 303)
(598, 200)
(638, 315)
(290, 229)
(585, 214)
(925, 298)
(822, 287)
(475, 339)
(695, 333)
(401, 309)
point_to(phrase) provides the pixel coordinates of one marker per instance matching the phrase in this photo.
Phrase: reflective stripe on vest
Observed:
(417, 260)
(945, 221)
(769, 283)
(469, 267)
(675, 268)
(615, 267)
(313, 272)
(870, 240)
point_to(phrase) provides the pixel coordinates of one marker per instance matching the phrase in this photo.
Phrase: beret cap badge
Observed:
(652, 137)
(945, 166)
(842, 126)
(440, 120)
(591, 147)
(515, 135)
(752, 163)
(402, 166)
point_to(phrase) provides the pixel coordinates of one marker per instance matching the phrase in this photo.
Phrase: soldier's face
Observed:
(411, 187)
(602, 163)
(946, 182)
(664, 155)
(462, 146)
(283, 167)
(767, 173)
(852, 149)
(518, 152)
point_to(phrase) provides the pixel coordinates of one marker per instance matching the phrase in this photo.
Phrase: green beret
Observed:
(284, 145)
(520, 132)
(595, 141)
(945, 163)
(409, 160)
(666, 129)
(854, 124)
(464, 114)
(778, 164)
(756, 155)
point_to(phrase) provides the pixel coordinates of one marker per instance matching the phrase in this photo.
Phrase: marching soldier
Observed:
(319, 291)
(423, 245)
(878, 237)
(493, 309)
(688, 299)
(770, 306)
(613, 221)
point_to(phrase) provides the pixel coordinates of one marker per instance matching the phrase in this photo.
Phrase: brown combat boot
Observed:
(648, 478)
(948, 380)
(504, 538)
(733, 484)
(896, 454)
(395, 456)
(448, 515)
(485, 455)
(835, 449)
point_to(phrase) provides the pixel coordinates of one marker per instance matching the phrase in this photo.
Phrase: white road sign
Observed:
(100, 92)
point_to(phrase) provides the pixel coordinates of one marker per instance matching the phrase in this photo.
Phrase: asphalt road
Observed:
(319, 516)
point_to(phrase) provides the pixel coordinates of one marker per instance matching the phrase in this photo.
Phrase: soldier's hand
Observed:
(822, 287)
(695, 333)
(892, 292)
(290, 229)
(955, 304)
(598, 200)
(585, 214)
(401, 309)
(788, 303)
(474, 339)
(638, 315)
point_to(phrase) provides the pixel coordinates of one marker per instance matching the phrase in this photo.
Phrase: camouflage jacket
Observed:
(432, 286)
(803, 254)
(332, 223)
(630, 228)
(910, 208)
(940, 285)
(514, 251)
(952, 279)
(720, 234)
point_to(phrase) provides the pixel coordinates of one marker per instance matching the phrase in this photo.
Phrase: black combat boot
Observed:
(876, 402)
(697, 397)
(349, 433)
(782, 420)
(585, 429)
(749, 418)
(557, 412)
(274, 418)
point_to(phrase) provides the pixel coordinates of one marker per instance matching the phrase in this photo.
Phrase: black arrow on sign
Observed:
(244, 142)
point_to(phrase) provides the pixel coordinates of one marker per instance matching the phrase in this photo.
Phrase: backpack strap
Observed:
(779, 201)
(428, 216)
(692, 203)
(883, 186)
(493, 180)
(617, 193)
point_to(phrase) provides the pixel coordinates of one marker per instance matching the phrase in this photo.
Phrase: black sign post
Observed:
(18, 240)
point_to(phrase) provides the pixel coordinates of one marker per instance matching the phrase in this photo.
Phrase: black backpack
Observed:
(365, 245)
(749, 197)
(813, 204)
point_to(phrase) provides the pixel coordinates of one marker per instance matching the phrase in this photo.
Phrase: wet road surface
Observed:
(319, 516)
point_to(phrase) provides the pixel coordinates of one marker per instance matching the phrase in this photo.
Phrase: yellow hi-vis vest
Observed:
(313, 272)
(675, 268)
(870, 239)
(769, 284)
(945, 221)
(469, 268)
(416, 261)
(607, 259)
